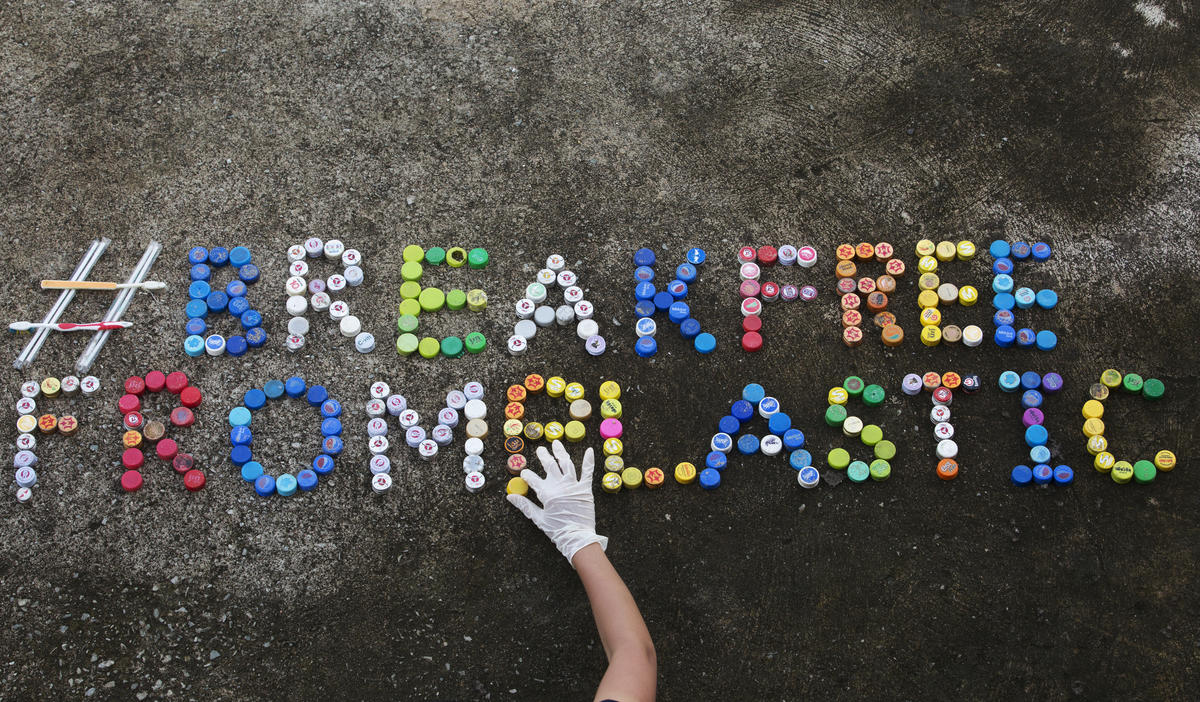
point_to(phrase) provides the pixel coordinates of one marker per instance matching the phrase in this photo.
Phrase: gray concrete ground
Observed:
(592, 129)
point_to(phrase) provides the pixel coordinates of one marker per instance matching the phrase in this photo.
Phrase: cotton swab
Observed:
(68, 326)
(99, 285)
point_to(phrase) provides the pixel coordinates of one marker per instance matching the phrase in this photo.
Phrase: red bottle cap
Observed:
(155, 381)
(752, 323)
(770, 290)
(132, 458)
(176, 382)
(943, 396)
(190, 397)
(129, 403)
(183, 463)
(134, 385)
(767, 255)
(751, 342)
(193, 481)
(131, 481)
(182, 417)
(134, 420)
(747, 254)
(166, 449)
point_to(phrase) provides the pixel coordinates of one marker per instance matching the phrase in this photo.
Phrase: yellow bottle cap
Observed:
(51, 386)
(613, 447)
(685, 473)
(611, 482)
(838, 458)
(1093, 409)
(574, 391)
(614, 464)
(456, 256)
(654, 478)
(1122, 472)
(1096, 444)
(968, 295)
(476, 300)
(837, 396)
(533, 431)
(477, 428)
(410, 306)
(132, 439)
(26, 423)
(1164, 460)
(1111, 378)
(555, 386)
(844, 252)
(965, 250)
(575, 431)
(1104, 461)
(429, 347)
(927, 264)
(534, 383)
(631, 478)
(925, 247)
(513, 427)
(928, 281)
(610, 409)
(581, 410)
(610, 390)
(1093, 427)
(931, 336)
(553, 431)
(409, 290)
(930, 317)
(517, 486)
(1098, 391)
(413, 254)
(411, 271)
(514, 410)
(927, 299)
(946, 251)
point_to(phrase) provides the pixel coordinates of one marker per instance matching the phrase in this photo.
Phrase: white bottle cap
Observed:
(749, 271)
(473, 390)
(442, 435)
(943, 430)
(26, 405)
(770, 445)
(377, 444)
(852, 426)
(536, 292)
(375, 407)
(364, 342)
(396, 404)
(473, 446)
(564, 315)
(543, 316)
(350, 326)
(70, 385)
(321, 301)
(408, 418)
(939, 413)
(338, 311)
(90, 385)
(456, 399)
(295, 342)
(586, 329)
(298, 269)
(573, 294)
(380, 390)
(26, 442)
(295, 253)
(335, 282)
(646, 327)
(428, 449)
(524, 308)
(806, 256)
(30, 388)
(26, 477)
(351, 257)
(380, 464)
(472, 464)
(334, 249)
(413, 436)
(947, 449)
(214, 345)
(475, 409)
(296, 285)
(556, 262)
(517, 345)
(381, 483)
(24, 495)
(24, 459)
(546, 276)
(377, 426)
(448, 416)
(566, 279)
(972, 335)
(354, 276)
(526, 328)
(474, 482)
(314, 247)
(296, 306)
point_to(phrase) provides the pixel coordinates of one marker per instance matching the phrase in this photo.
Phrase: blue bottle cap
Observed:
(240, 436)
(710, 479)
(1042, 474)
(742, 410)
(678, 289)
(1046, 340)
(237, 345)
(646, 347)
(1041, 251)
(239, 256)
(779, 424)
(264, 485)
(251, 471)
(689, 328)
(200, 272)
(238, 306)
(663, 300)
(1003, 318)
(799, 459)
(285, 484)
(705, 343)
(1036, 435)
(644, 291)
(317, 394)
(195, 327)
(1003, 301)
(294, 386)
(1031, 380)
(235, 288)
(747, 444)
(331, 426)
(217, 301)
(1052, 382)
(251, 319)
(331, 408)
(1026, 337)
(1046, 299)
(695, 256)
(729, 425)
(645, 327)
(1005, 336)
(218, 256)
(1063, 475)
(1021, 250)
(643, 257)
(643, 274)
(1002, 283)
(332, 445)
(753, 392)
(678, 312)
(768, 406)
(808, 477)
(1021, 475)
(306, 479)
(239, 417)
(1024, 298)
(199, 290)
(721, 442)
(999, 249)
(793, 439)
(323, 464)
(254, 399)
(197, 254)
(644, 308)
(1009, 381)
(240, 454)
(685, 272)
(1031, 398)
(1002, 266)
(1039, 454)
(193, 345)
(248, 273)
(273, 389)
(196, 308)
(256, 337)
(716, 460)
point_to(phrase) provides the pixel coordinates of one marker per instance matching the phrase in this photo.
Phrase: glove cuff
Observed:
(572, 544)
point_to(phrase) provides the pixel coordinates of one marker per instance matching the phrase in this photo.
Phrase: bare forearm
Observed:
(633, 668)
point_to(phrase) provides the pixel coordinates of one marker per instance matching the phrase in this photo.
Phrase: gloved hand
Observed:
(567, 514)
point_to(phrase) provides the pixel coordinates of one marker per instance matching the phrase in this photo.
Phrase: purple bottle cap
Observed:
(316, 285)
(789, 292)
(808, 293)
(1032, 416)
(1052, 382)
(595, 345)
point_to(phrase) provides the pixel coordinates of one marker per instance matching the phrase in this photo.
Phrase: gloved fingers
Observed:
(535, 481)
(588, 465)
(548, 463)
(565, 464)
(530, 510)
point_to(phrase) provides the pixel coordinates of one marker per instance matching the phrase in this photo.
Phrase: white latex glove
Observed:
(567, 514)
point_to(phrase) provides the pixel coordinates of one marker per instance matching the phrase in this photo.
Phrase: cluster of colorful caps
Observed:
(1006, 298)
(534, 312)
(205, 300)
(1142, 471)
(241, 438)
(301, 259)
(1033, 388)
(416, 300)
(28, 420)
(781, 436)
(518, 428)
(836, 415)
(934, 292)
(755, 294)
(650, 301)
(852, 288)
(140, 431)
(941, 387)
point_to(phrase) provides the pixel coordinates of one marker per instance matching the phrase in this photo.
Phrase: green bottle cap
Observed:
(410, 306)
(435, 256)
(456, 299)
(406, 324)
(429, 347)
(413, 253)
(838, 458)
(1132, 382)
(835, 415)
(432, 299)
(885, 450)
(854, 385)
(477, 258)
(409, 290)
(406, 344)
(411, 270)
(873, 395)
(1144, 471)
(858, 471)
(476, 342)
(452, 347)
(880, 469)
(1153, 389)
(871, 434)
